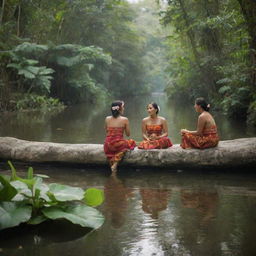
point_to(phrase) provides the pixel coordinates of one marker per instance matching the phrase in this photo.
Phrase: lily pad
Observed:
(93, 197)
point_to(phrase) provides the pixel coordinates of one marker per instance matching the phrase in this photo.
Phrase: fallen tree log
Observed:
(231, 153)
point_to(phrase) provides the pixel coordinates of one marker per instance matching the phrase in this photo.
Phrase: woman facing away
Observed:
(206, 135)
(115, 145)
(154, 130)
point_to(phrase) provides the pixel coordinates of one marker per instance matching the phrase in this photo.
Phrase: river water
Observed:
(148, 212)
(84, 123)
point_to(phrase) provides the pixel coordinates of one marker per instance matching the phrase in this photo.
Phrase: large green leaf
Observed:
(8, 191)
(26, 73)
(37, 220)
(82, 215)
(27, 47)
(93, 197)
(43, 190)
(23, 190)
(29, 182)
(66, 193)
(12, 214)
(68, 61)
(45, 71)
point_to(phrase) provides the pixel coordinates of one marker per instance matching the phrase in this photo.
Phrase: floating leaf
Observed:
(93, 197)
(82, 215)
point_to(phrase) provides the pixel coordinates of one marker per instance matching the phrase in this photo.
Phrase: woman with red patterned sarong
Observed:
(206, 135)
(115, 145)
(154, 130)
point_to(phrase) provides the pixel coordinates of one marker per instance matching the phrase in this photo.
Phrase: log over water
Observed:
(231, 153)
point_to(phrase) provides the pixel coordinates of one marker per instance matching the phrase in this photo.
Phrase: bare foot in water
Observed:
(114, 167)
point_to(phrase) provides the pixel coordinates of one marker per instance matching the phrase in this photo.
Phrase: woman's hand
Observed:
(153, 136)
(183, 131)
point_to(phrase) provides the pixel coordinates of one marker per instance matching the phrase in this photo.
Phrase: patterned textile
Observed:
(209, 139)
(115, 145)
(161, 143)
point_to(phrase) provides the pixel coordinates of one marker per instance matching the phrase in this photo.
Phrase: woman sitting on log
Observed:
(154, 130)
(115, 145)
(206, 135)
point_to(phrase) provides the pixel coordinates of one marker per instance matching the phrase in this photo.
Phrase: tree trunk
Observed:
(211, 35)
(249, 12)
(2, 12)
(190, 33)
(205, 71)
(18, 20)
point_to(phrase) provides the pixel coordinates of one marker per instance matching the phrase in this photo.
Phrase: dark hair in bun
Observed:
(203, 104)
(116, 106)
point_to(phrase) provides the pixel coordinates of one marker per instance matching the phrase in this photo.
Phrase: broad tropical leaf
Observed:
(8, 191)
(37, 220)
(66, 193)
(82, 215)
(12, 214)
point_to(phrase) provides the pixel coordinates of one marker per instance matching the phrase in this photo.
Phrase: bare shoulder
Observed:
(145, 119)
(162, 119)
(108, 118)
(124, 118)
(202, 117)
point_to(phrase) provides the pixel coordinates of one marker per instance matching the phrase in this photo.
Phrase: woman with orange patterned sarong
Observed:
(115, 145)
(154, 130)
(206, 135)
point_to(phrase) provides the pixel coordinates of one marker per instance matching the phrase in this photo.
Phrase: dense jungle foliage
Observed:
(212, 52)
(71, 51)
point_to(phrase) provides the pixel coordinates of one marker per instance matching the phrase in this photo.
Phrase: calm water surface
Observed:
(84, 123)
(153, 212)
(148, 212)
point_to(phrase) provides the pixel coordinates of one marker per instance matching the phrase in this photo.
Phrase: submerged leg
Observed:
(115, 161)
(114, 167)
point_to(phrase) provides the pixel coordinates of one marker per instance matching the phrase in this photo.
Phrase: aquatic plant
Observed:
(29, 200)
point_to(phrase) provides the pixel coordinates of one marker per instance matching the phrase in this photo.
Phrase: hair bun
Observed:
(115, 108)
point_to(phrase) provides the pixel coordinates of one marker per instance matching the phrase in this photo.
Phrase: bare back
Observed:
(205, 121)
(119, 122)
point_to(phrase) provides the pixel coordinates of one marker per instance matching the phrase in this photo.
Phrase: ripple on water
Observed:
(147, 240)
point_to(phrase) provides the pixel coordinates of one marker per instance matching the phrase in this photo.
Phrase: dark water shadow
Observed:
(49, 232)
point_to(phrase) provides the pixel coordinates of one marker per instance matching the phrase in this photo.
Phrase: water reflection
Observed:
(157, 213)
(154, 201)
(116, 200)
(202, 201)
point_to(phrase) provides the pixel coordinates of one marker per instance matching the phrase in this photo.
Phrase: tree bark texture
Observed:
(248, 8)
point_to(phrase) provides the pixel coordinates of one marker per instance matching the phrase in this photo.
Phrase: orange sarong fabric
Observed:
(115, 145)
(161, 143)
(209, 139)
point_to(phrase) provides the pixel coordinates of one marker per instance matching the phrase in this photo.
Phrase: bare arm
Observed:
(200, 127)
(144, 130)
(165, 129)
(105, 125)
(127, 128)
